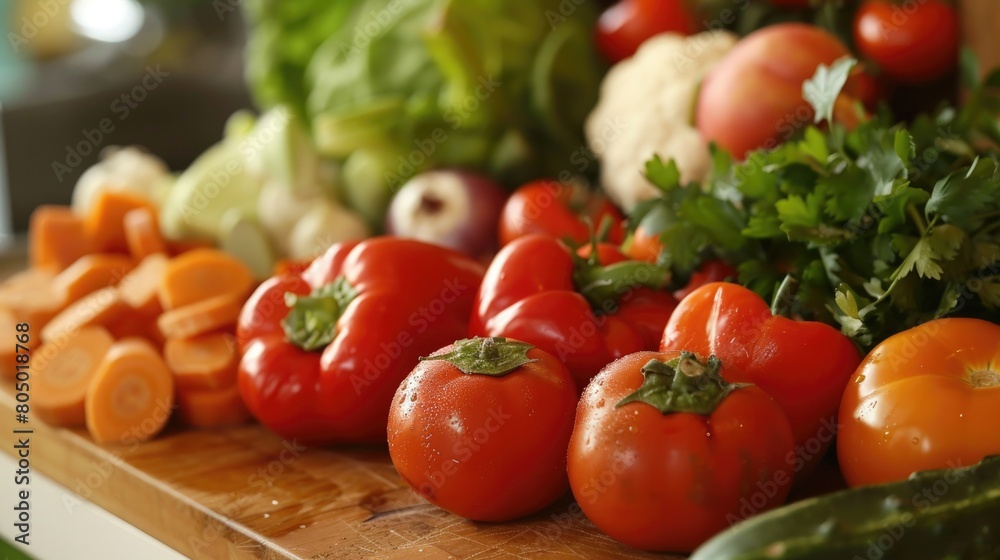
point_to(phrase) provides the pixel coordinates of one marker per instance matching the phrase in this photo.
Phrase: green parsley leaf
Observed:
(663, 176)
(822, 90)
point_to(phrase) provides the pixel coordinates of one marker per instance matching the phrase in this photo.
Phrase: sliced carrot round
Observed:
(203, 274)
(212, 408)
(204, 362)
(56, 238)
(33, 299)
(139, 289)
(199, 318)
(142, 233)
(105, 223)
(98, 308)
(130, 396)
(61, 373)
(90, 273)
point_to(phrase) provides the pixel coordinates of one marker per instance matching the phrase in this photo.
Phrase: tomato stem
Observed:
(494, 356)
(986, 378)
(311, 323)
(684, 384)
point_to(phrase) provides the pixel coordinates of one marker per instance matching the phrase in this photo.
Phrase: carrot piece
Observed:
(27, 277)
(290, 266)
(105, 224)
(213, 408)
(99, 308)
(61, 373)
(9, 352)
(131, 324)
(32, 298)
(199, 318)
(131, 394)
(205, 362)
(177, 247)
(56, 238)
(90, 273)
(202, 274)
(142, 233)
(139, 289)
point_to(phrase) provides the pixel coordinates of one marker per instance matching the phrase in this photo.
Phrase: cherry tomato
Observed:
(487, 441)
(670, 466)
(627, 24)
(913, 42)
(926, 398)
(558, 210)
(645, 245)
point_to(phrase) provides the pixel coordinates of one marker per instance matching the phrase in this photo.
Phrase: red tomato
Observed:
(644, 245)
(670, 469)
(926, 398)
(489, 444)
(586, 313)
(557, 210)
(627, 24)
(913, 42)
(804, 365)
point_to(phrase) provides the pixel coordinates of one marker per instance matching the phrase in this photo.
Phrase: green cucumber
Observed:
(949, 514)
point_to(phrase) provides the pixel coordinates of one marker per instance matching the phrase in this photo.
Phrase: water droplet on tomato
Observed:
(860, 378)
(599, 404)
(915, 441)
(413, 397)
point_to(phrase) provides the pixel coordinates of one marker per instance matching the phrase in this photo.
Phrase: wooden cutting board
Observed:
(244, 493)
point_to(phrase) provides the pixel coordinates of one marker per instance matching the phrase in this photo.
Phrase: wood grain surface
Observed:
(244, 493)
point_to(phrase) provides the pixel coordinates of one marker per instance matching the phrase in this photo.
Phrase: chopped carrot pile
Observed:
(125, 321)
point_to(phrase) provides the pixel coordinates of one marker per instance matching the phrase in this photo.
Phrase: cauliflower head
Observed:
(645, 108)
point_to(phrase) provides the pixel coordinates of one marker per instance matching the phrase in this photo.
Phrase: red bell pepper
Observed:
(803, 365)
(587, 309)
(325, 350)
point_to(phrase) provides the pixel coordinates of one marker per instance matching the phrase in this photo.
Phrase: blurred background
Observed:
(78, 76)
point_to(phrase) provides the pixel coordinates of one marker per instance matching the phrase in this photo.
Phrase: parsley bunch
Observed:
(880, 228)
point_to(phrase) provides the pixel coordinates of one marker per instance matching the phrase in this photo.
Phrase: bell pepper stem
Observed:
(311, 323)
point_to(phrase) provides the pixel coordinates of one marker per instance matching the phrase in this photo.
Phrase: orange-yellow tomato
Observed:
(926, 398)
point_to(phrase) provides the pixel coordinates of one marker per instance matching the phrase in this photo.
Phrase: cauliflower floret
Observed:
(645, 108)
(120, 169)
